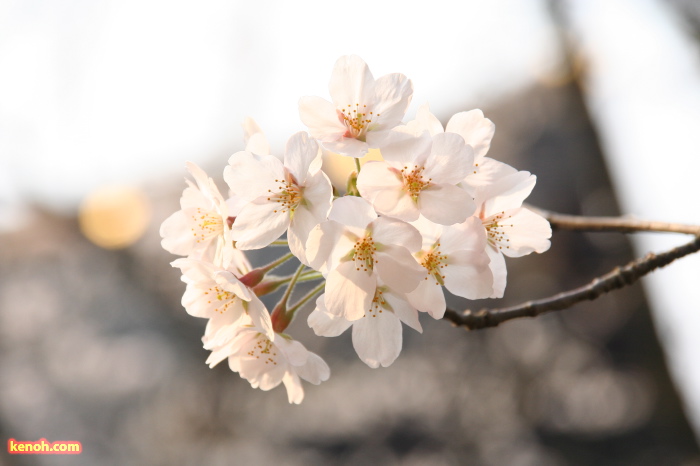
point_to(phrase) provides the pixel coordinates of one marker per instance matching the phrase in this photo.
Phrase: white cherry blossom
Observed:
(200, 229)
(266, 363)
(420, 175)
(355, 248)
(293, 195)
(377, 336)
(363, 108)
(453, 257)
(217, 294)
(511, 230)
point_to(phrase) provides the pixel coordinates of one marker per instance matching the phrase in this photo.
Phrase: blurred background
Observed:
(103, 102)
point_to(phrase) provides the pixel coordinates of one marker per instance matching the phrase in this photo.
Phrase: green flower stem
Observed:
(276, 262)
(280, 317)
(357, 165)
(280, 242)
(310, 295)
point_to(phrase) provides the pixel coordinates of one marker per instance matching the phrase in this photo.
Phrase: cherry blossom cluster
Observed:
(434, 213)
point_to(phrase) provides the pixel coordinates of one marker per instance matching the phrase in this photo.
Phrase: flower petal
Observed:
(378, 339)
(352, 211)
(467, 274)
(499, 271)
(428, 297)
(325, 324)
(295, 391)
(398, 268)
(251, 176)
(530, 232)
(315, 370)
(450, 159)
(321, 117)
(349, 291)
(388, 231)
(476, 130)
(351, 82)
(445, 204)
(393, 96)
(300, 153)
(259, 224)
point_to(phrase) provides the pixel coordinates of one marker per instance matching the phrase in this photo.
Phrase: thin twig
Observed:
(618, 224)
(617, 278)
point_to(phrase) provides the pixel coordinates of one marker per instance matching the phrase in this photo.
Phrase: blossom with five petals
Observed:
(355, 248)
(293, 195)
(362, 111)
(420, 175)
(453, 257)
(266, 363)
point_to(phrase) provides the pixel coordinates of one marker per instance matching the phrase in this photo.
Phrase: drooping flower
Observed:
(266, 363)
(293, 195)
(511, 230)
(420, 175)
(362, 111)
(200, 230)
(355, 249)
(453, 257)
(377, 336)
(217, 294)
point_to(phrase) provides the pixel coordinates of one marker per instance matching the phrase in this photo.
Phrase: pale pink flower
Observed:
(377, 336)
(200, 229)
(420, 175)
(363, 108)
(266, 363)
(511, 230)
(293, 195)
(355, 248)
(217, 294)
(453, 257)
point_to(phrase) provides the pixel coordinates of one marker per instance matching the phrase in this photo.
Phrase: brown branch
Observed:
(615, 279)
(618, 224)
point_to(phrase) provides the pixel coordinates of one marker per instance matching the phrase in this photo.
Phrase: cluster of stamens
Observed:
(378, 304)
(206, 224)
(356, 120)
(288, 195)
(494, 230)
(263, 348)
(433, 262)
(413, 181)
(363, 253)
(226, 298)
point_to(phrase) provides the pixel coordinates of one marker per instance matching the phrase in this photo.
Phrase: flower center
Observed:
(363, 253)
(264, 349)
(495, 230)
(413, 181)
(225, 298)
(433, 261)
(357, 120)
(289, 195)
(379, 304)
(206, 225)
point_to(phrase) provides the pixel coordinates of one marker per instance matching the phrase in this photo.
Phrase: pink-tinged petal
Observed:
(259, 224)
(318, 195)
(450, 159)
(388, 231)
(192, 198)
(228, 282)
(300, 153)
(301, 225)
(403, 310)
(498, 269)
(375, 177)
(177, 236)
(349, 291)
(322, 241)
(347, 146)
(195, 271)
(325, 324)
(476, 130)
(377, 339)
(205, 184)
(235, 204)
(429, 231)
(396, 202)
(295, 353)
(469, 235)
(398, 268)
(321, 117)
(445, 204)
(393, 96)
(351, 82)
(485, 174)
(425, 121)
(508, 192)
(467, 274)
(315, 370)
(530, 233)
(428, 297)
(403, 149)
(260, 316)
(257, 144)
(352, 211)
(251, 176)
(295, 391)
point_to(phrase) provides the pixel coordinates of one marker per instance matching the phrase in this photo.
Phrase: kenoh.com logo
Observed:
(43, 447)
